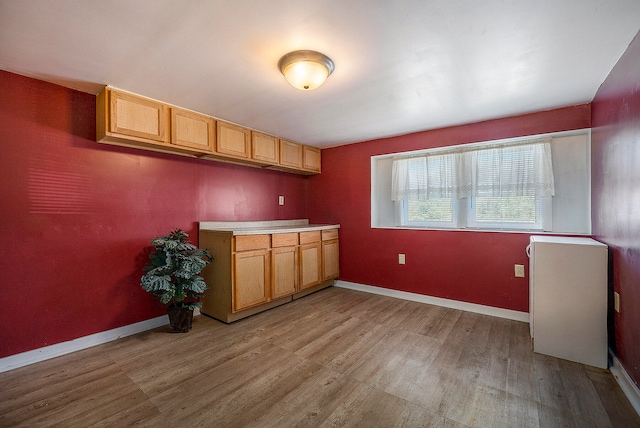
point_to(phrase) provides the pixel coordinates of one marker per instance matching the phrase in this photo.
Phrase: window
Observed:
(530, 184)
(484, 212)
(498, 186)
(436, 210)
(506, 209)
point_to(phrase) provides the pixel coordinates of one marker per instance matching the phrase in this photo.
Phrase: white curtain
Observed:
(522, 169)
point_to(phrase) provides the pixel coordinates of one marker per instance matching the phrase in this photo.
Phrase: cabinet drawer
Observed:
(284, 240)
(307, 237)
(251, 242)
(328, 235)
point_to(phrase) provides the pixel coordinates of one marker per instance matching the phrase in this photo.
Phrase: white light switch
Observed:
(280, 200)
(400, 259)
(519, 271)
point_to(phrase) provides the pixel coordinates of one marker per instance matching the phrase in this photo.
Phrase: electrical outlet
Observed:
(401, 259)
(616, 301)
(280, 200)
(519, 271)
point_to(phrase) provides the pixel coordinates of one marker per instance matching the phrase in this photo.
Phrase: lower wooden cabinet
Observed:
(330, 259)
(252, 273)
(251, 279)
(284, 271)
(310, 265)
(310, 259)
(284, 264)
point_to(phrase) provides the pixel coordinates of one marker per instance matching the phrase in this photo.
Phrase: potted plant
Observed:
(172, 275)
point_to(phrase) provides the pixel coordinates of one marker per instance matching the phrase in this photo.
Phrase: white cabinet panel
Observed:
(568, 298)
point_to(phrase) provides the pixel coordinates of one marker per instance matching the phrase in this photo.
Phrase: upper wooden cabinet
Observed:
(290, 154)
(131, 120)
(233, 141)
(126, 117)
(264, 148)
(311, 159)
(192, 130)
(298, 158)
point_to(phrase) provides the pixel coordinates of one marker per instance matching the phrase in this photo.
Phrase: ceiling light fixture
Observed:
(305, 70)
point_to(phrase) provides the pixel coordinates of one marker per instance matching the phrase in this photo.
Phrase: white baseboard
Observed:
(454, 304)
(626, 384)
(30, 357)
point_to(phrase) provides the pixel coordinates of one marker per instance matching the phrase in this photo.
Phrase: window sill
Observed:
(520, 231)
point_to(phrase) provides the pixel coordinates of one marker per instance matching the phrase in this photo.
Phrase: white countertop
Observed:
(565, 240)
(264, 227)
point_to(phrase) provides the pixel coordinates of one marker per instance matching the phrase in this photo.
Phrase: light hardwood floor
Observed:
(335, 358)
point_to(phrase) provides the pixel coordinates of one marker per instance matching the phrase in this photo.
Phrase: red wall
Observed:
(615, 172)
(76, 215)
(474, 267)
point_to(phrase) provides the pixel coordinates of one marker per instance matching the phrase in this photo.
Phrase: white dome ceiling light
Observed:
(306, 70)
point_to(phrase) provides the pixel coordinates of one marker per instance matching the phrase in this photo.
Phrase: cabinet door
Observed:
(290, 154)
(251, 276)
(330, 260)
(310, 264)
(311, 158)
(264, 148)
(134, 116)
(284, 269)
(192, 130)
(233, 140)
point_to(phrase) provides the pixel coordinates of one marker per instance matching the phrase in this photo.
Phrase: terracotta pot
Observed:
(180, 319)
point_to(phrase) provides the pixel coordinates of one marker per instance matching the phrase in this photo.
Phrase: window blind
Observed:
(520, 169)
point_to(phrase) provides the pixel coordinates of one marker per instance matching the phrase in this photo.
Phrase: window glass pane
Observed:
(434, 209)
(506, 209)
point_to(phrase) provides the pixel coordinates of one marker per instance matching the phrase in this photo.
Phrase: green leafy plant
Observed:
(172, 275)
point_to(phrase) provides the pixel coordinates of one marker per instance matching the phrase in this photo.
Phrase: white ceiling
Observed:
(401, 65)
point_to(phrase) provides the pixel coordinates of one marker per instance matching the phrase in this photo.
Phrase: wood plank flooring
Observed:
(336, 358)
